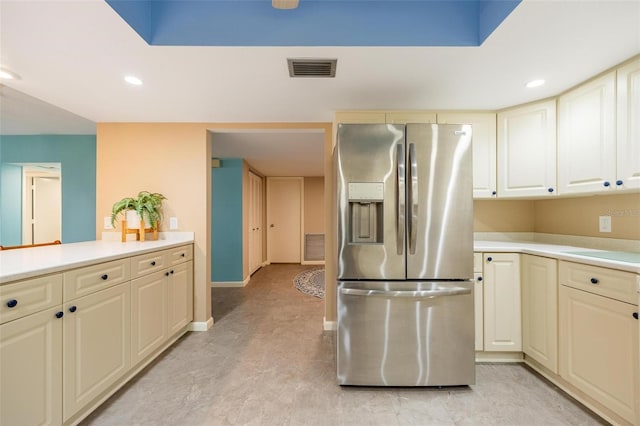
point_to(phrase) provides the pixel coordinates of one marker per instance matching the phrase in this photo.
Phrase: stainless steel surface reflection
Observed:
(405, 333)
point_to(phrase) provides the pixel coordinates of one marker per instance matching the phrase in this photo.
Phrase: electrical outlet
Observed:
(173, 223)
(605, 223)
(107, 223)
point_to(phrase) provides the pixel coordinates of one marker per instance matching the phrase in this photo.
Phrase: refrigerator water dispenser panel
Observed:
(366, 207)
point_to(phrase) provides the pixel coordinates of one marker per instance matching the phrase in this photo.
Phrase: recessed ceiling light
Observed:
(535, 83)
(5, 74)
(133, 80)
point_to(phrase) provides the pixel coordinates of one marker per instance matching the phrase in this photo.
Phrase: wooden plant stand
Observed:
(138, 231)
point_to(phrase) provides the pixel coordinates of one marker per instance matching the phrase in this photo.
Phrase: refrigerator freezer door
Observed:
(371, 195)
(406, 333)
(439, 202)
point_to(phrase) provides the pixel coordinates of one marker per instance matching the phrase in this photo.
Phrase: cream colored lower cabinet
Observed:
(96, 345)
(31, 370)
(478, 311)
(599, 349)
(540, 310)
(180, 297)
(502, 306)
(148, 314)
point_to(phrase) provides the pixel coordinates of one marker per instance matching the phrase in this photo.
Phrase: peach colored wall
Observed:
(503, 216)
(314, 205)
(174, 159)
(579, 216)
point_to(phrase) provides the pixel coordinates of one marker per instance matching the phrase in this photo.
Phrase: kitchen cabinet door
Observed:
(31, 370)
(540, 310)
(478, 311)
(484, 149)
(527, 150)
(97, 345)
(587, 137)
(405, 117)
(599, 349)
(148, 314)
(357, 117)
(628, 136)
(502, 306)
(180, 297)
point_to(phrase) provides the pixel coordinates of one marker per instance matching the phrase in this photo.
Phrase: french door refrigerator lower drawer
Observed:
(405, 333)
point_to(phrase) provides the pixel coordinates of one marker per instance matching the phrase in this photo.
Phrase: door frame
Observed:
(300, 179)
(28, 173)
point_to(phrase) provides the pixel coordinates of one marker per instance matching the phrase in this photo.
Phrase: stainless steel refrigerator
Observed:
(405, 255)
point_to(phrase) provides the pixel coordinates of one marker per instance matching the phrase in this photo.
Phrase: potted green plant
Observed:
(147, 207)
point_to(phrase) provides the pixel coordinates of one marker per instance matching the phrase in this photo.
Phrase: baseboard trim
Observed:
(312, 262)
(499, 357)
(201, 325)
(230, 283)
(329, 325)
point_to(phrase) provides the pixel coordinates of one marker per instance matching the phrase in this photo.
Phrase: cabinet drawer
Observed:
(83, 281)
(29, 296)
(148, 263)
(477, 262)
(606, 282)
(180, 254)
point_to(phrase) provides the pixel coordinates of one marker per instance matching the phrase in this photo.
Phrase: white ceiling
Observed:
(74, 54)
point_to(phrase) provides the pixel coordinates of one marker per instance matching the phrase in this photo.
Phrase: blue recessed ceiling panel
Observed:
(314, 22)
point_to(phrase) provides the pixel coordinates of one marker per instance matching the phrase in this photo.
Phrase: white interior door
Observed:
(42, 209)
(284, 219)
(255, 222)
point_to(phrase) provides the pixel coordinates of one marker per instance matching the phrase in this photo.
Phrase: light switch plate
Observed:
(173, 223)
(107, 223)
(605, 223)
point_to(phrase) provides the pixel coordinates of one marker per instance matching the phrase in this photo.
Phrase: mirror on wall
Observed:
(36, 140)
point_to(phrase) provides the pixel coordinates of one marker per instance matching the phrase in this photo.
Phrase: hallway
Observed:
(267, 361)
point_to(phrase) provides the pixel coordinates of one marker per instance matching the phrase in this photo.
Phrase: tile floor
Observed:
(267, 361)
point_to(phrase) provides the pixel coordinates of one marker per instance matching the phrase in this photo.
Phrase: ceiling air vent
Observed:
(312, 67)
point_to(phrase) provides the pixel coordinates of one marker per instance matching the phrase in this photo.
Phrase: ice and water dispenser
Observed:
(366, 206)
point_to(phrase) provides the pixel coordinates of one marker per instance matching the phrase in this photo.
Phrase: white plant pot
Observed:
(133, 220)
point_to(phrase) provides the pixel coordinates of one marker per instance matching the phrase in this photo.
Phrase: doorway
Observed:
(42, 206)
(255, 222)
(284, 219)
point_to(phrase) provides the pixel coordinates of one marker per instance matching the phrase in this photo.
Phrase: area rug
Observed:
(310, 282)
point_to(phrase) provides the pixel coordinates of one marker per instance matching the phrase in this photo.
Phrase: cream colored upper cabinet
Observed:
(540, 310)
(356, 117)
(628, 137)
(502, 305)
(587, 137)
(404, 117)
(527, 150)
(484, 149)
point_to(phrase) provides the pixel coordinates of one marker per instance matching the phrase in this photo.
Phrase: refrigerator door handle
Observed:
(400, 195)
(413, 294)
(413, 198)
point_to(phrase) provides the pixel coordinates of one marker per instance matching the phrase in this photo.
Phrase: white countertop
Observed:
(556, 251)
(24, 263)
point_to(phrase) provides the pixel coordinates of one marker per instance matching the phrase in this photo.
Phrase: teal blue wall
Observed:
(10, 205)
(77, 155)
(226, 221)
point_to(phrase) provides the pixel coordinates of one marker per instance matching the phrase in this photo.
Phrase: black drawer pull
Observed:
(493, 192)
(635, 315)
(489, 259)
(479, 278)
(73, 308)
(619, 182)
(12, 303)
(550, 190)
(607, 183)
(166, 274)
(104, 277)
(172, 271)
(59, 314)
(153, 263)
(594, 281)
(182, 255)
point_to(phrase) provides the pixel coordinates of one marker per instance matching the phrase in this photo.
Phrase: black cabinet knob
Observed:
(172, 271)
(635, 315)
(153, 263)
(182, 255)
(619, 182)
(594, 281)
(73, 308)
(493, 192)
(489, 259)
(550, 190)
(166, 274)
(104, 277)
(12, 303)
(479, 278)
(607, 183)
(59, 314)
